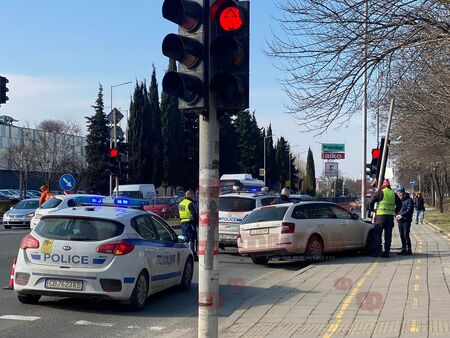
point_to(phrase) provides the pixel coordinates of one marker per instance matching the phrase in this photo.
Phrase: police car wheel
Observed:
(139, 295)
(29, 299)
(314, 250)
(188, 271)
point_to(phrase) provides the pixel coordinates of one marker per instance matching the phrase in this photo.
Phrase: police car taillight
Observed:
(287, 228)
(116, 248)
(29, 242)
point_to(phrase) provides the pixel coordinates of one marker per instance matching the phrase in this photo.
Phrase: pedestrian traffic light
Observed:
(229, 54)
(3, 89)
(189, 48)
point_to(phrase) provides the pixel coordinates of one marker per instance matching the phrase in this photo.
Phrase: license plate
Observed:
(64, 284)
(225, 236)
(259, 231)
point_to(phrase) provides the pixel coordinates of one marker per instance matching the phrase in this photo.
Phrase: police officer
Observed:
(189, 220)
(389, 204)
(283, 198)
(404, 219)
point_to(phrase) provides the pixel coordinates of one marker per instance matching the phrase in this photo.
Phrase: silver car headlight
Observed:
(31, 214)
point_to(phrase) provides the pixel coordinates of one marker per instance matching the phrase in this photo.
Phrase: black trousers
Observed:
(386, 223)
(404, 227)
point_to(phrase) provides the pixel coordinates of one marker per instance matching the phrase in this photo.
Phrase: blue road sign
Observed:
(67, 182)
(412, 181)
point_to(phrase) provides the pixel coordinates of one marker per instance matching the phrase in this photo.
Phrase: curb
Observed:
(251, 301)
(442, 232)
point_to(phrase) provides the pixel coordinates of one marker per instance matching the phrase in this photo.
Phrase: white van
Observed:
(141, 191)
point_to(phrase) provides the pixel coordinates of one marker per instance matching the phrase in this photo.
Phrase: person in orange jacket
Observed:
(45, 194)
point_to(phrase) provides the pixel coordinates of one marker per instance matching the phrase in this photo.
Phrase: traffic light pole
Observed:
(382, 169)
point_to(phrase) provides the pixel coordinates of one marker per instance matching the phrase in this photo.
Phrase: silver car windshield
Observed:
(266, 214)
(27, 205)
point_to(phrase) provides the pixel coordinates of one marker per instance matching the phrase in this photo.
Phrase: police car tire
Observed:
(29, 299)
(139, 296)
(259, 260)
(188, 272)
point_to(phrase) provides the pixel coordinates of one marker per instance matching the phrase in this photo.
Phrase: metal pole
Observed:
(386, 144)
(208, 249)
(364, 117)
(265, 161)
(110, 146)
(289, 164)
(208, 252)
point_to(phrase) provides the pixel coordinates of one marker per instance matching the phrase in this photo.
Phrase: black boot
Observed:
(408, 252)
(403, 252)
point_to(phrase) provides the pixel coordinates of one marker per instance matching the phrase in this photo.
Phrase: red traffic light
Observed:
(113, 152)
(376, 153)
(230, 19)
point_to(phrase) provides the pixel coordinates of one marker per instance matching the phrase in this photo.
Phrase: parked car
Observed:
(21, 213)
(306, 229)
(57, 202)
(10, 194)
(233, 207)
(165, 207)
(300, 198)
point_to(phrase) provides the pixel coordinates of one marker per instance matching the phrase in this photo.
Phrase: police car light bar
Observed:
(129, 202)
(88, 200)
(120, 201)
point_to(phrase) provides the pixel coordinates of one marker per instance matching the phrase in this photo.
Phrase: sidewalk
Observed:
(356, 296)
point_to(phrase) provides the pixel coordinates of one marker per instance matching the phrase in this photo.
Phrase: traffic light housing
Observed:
(189, 48)
(113, 161)
(3, 89)
(229, 54)
(375, 163)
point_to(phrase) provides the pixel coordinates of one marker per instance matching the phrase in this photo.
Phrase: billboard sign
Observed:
(333, 147)
(333, 156)
(331, 169)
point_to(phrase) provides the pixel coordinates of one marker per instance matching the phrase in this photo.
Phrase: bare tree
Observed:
(321, 51)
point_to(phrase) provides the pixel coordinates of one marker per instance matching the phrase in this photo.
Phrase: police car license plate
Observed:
(259, 231)
(64, 284)
(226, 236)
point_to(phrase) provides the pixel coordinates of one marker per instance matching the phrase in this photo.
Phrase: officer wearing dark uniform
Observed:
(189, 220)
(389, 204)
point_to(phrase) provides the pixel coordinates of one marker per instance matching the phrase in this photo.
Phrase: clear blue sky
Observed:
(55, 53)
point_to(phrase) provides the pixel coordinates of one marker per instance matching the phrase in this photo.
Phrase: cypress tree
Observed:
(309, 183)
(281, 160)
(146, 140)
(156, 145)
(135, 129)
(97, 145)
(190, 150)
(172, 137)
(271, 174)
(229, 155)
(249, 143)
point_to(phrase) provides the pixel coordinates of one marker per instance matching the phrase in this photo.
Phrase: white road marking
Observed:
(85, 322)
(15, 317)
(157, 328)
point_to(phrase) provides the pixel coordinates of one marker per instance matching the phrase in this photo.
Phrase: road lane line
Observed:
(417, 277)
(415, 303)
(419, 261)
(417, 287)
(413, 328)
(332, 328)
(15, 317)
(417, 267)
(85, 322)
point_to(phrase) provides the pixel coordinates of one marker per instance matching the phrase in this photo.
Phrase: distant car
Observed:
(165, 207)
(233, 207)
(300, 198)
(102, 252)
(21, 213)
(55, 203)
(3, 196)
(10, 193)
(309, 229)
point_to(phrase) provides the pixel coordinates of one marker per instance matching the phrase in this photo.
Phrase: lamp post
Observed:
(113, 140)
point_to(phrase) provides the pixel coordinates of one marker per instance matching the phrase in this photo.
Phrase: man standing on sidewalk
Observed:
(404, 219)
(388, 206)
(189, 220)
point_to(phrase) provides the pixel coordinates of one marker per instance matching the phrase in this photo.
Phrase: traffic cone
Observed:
(11, 278)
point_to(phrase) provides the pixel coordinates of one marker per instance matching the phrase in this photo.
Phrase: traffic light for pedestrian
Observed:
(375, 163)
(189, 48)
(3, 89)
(229, 54)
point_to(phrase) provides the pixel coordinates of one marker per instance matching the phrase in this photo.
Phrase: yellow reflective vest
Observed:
(387, 204)
(185, 213)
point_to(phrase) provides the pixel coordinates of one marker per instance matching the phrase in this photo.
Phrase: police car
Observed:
(102, 252)
(233, 207)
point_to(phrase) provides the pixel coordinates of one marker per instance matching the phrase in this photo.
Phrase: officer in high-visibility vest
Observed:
(189, 220)
(389, 204)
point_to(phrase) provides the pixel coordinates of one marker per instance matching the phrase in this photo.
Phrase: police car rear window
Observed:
(51, 203)
(236, 204)
(78, 229)
(266, 214)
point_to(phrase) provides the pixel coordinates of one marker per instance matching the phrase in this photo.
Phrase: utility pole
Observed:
(382, 169)
(364, 116)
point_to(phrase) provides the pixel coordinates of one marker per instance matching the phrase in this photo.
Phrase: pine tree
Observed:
(282, 160)
(97, 145)
(155, 134)
(172, 137)
(229, 155)
(271, 170)
(309, 183)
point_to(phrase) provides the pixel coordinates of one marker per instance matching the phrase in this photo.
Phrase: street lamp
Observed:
(113, 140)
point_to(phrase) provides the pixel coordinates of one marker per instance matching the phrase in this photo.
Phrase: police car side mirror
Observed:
(181, 239)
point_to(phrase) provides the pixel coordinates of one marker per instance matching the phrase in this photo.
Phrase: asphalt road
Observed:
(171, 313)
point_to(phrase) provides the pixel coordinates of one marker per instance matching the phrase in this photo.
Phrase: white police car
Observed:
(101, 252)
